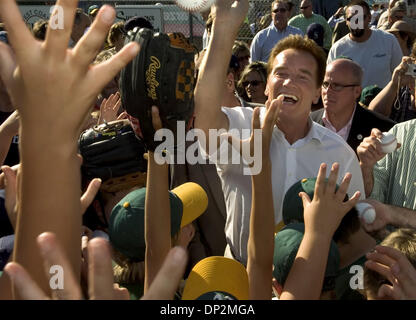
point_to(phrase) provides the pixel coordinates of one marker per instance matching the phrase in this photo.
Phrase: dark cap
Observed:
(368, 94)
(315, 31)
(137, 22)
(126, 226)
(92, 8)
(286, 246)
(292, 209)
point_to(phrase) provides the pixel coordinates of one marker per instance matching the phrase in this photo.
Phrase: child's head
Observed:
(217, 278)
(126, 224)
(403, 240)
(292, 210)
(286, 246)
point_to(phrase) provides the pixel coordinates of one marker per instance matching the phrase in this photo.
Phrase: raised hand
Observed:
(53, 88)
(324, 213)
(231, 12)
(396, 268)
(49, 84)
(100, 274)
(109, 108)
(261, 135)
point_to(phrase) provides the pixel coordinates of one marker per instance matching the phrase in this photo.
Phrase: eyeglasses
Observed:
(253, 83)
(281, 10)
(336, 86)
(305, 7)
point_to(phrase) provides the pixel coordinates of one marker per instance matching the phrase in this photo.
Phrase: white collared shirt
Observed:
(290, 163)
(343, 132)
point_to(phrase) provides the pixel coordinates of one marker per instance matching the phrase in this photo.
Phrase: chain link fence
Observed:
(165, 16)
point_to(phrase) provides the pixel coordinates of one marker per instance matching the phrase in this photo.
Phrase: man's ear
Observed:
(357, 92)
(317, 96)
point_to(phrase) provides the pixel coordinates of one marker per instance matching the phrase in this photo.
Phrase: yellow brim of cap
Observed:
(194, 200)
(217, 274)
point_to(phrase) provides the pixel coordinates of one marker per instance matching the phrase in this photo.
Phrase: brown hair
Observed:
(39, 29)
(298, 42)
(240, 46)
(116, 31)
(257, 66)
(288, 5)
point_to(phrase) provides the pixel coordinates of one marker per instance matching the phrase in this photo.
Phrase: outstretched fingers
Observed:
(55, 262)
(91, 43)
(27, 289)
(320, 181)
(100, 271)
(100, 75)
(60, 28)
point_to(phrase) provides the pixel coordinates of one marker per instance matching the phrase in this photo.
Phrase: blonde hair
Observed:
(125, 271)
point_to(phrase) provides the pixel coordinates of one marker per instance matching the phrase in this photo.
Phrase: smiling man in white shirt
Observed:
(296, 71)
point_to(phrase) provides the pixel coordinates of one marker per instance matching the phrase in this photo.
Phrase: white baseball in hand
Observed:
(366, 211)
(195, 5)
(388, 142)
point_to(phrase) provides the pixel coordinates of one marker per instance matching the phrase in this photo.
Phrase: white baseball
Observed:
(195, 5)
(366, 211)
(388, 142)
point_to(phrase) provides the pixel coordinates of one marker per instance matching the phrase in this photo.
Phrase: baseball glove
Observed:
(161, 75)
(111, 150)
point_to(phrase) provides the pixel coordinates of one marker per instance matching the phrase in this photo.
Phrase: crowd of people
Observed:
(322, 85)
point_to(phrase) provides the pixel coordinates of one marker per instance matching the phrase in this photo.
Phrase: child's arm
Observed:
(261, 239)
(157, 213)
(322, 217)
(53, 89)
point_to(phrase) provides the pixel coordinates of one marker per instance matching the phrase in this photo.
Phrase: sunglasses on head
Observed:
(253, 83)
(281, 10)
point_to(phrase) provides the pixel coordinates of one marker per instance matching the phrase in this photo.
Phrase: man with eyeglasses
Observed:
(341, 113)
(264, 41)
(376, 51)
(303, 20)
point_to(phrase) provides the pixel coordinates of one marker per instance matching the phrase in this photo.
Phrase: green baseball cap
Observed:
(126, 225)
(92, 8)
(286, 245)
(368, 94)
(292, 209)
